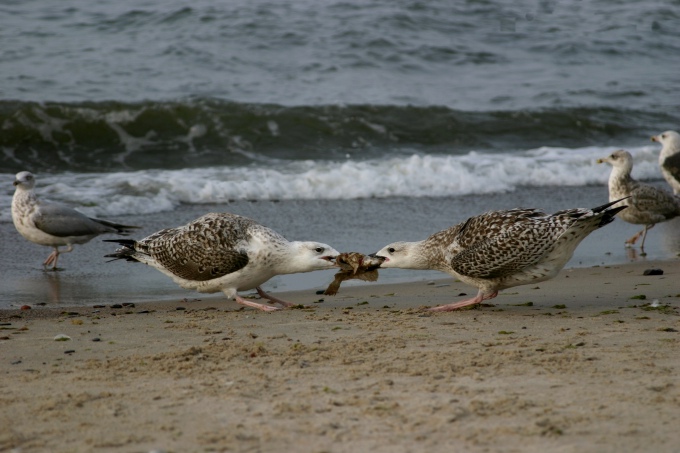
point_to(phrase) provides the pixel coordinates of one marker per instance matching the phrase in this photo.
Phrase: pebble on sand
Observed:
(653, 272)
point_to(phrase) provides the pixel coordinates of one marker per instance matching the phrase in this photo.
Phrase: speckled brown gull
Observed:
(226, 252)
(501, 249)
(54, 224)
(669, 158)
(647, 205)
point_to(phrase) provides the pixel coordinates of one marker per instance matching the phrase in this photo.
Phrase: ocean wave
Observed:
(416, 175)
(195, 133)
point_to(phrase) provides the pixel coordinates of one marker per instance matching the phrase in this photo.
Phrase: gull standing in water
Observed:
(54, 224)
(647, 205)
(501, 249)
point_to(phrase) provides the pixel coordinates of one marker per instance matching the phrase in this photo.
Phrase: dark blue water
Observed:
(482, 56)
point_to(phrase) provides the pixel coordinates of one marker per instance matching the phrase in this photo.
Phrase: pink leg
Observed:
(464, 303)
(274, 300)
(52, 259)
(250, 303)
(631, 242)
(644, 236)
(54, 256)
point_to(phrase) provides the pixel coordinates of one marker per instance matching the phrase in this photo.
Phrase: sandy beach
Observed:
(587, 362)
(354, 124)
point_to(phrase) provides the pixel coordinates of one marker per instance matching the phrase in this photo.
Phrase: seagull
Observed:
(669, 159)
(226, 252)
(501, 249)
(647, 205)
(54, 224)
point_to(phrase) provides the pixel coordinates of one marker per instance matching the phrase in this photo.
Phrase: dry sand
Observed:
(586, 367)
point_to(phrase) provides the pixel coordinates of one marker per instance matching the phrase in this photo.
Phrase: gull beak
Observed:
(599, 161)
(654, 139)
(381, 258)
(331, 259)
(16, 183)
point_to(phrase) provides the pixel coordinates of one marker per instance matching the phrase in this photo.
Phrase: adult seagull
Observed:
(54, 224)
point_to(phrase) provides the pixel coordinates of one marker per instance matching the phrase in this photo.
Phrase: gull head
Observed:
(24, 180)
(314, 256)
(668, 139)
(402, 255)
(620, 159)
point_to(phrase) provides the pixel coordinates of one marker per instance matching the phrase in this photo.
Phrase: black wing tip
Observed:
(122, 254)
(609, 215)
(124, 242)
(119, 227)
(611, 203)
(124, 230)
(125, 252)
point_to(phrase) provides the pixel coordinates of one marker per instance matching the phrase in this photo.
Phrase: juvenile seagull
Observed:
(669, 159)
(501, 249)
(54, 224)
(647, 204)
(226, 252)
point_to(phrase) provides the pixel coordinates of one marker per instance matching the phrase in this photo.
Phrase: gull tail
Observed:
(609, 214)
(121, 229)
(126, 252)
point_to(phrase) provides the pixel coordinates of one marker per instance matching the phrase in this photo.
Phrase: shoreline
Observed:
(312, 297)
(364, 225)
(579, 363)
(354, 289)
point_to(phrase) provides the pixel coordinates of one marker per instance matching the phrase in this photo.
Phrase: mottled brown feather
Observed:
(505, 242)
(207, 248)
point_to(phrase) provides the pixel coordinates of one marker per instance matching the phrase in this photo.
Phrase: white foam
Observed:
(416, 175)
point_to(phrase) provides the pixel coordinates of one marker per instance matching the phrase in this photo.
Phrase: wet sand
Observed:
(587, 362)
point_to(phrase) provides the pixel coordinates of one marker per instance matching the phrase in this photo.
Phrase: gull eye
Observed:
(663, 135)
(391, 250)
(319, 250)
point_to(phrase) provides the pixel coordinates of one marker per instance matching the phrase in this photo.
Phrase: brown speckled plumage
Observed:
(207, 248)
(647, 205)
(226, 252)
(501, 249)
